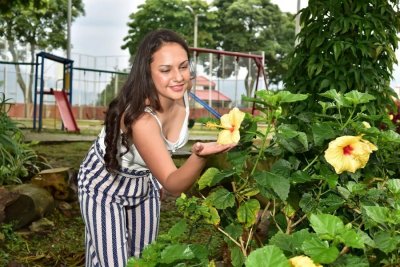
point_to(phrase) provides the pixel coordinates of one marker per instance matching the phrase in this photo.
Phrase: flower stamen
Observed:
(347, 150)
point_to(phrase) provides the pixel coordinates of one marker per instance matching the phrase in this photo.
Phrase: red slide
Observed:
(65, 110)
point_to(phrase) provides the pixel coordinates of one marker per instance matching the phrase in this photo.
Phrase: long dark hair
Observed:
(131, 100)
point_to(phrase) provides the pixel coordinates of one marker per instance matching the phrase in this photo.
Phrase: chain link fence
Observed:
(221, 81)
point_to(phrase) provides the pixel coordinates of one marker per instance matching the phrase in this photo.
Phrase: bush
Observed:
(17, 159)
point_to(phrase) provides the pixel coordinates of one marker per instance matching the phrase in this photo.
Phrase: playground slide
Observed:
(65, 110)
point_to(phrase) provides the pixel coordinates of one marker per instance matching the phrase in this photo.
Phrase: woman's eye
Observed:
(184, 67)
(164, 71)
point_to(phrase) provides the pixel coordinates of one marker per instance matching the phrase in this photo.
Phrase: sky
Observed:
(101, 31)
(99, 34)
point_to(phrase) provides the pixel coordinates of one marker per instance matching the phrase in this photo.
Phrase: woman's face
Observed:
(170, 71)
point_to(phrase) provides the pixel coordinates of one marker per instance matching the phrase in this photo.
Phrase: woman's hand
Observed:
(207, 149)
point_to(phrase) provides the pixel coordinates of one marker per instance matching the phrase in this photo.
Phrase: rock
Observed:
(58, 181)
(43, 225)
(32, 203)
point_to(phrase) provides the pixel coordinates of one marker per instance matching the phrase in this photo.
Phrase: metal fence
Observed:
(96, 80)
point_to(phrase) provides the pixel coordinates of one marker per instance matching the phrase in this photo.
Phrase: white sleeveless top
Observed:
(132, 159)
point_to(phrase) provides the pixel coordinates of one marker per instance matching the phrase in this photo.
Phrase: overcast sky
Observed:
(101, 31)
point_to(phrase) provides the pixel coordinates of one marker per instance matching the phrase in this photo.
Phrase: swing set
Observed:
(63, 97)
(258, 60)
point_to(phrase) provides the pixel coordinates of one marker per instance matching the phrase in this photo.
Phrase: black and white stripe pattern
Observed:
(121, 211)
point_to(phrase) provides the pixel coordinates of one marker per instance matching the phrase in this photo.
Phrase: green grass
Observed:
(93, 127)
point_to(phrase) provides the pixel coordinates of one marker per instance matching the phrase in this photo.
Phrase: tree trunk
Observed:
(6, 197)
(27, 91)
(31, 204)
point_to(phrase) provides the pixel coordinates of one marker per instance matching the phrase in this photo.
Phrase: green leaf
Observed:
(325, 83)
(326, 225)
(278, 183)
(267, 256)
(390, 137)
(337, 97)
(178, 229)
(376, 213)
(247, 212)
(288, 97)
(394, 186)
(337, 50)
(234, 230)
(206, 179)
(348, 260)
(331, 203)
(281, 167)
(386, 242)
(299, 177)
(291, 243)
(176, 252)
(355, 97)
(291, 140)
(320, 251)
(221, 199)
(237, 256)
(366, 239)
(351, 238)
(213, 218)
(307, 203)
(322, 131)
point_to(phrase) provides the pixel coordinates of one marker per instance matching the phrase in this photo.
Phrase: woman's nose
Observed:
(178, 75)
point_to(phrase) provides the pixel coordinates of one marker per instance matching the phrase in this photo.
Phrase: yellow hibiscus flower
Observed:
(230, 125)
(302, 261)
(349, 153)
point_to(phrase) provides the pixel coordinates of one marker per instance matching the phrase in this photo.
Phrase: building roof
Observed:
(215, 95)
(203, 81)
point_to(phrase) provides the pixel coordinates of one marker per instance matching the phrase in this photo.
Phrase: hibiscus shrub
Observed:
(315, 178)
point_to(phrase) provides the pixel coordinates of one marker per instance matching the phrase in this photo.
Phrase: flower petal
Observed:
(225, 137)
(349, 153)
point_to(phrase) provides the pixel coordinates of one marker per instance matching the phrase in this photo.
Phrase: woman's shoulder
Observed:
(145, 121)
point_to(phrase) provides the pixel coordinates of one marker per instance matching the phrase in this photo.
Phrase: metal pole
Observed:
(297, 27)
(196, 22)
(69, 29)
(210, 83)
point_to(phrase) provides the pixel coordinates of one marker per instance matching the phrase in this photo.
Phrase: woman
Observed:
(122, 175)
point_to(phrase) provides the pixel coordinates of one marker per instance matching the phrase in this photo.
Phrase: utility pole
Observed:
(69, 15)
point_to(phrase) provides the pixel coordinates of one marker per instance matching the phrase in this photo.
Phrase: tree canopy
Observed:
(176, 15)
(239, 26)
(346, 45)
(41, 24)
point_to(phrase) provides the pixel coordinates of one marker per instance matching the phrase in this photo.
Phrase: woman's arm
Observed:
(150, 145)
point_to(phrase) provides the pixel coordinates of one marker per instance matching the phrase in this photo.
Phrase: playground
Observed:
(81, 93)
(314, 179)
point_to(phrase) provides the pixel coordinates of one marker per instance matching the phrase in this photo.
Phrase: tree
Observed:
(39, 24)
(6, 5)
(255, 26)
(174, 15)
(345, 45)
(239, 26)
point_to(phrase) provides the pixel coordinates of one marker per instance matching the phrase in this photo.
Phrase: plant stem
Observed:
(311, 163)
(299, 221)
(261, 150)
(349, 119)
(228, 236)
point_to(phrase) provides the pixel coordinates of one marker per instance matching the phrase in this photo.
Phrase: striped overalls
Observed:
(121, 211)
